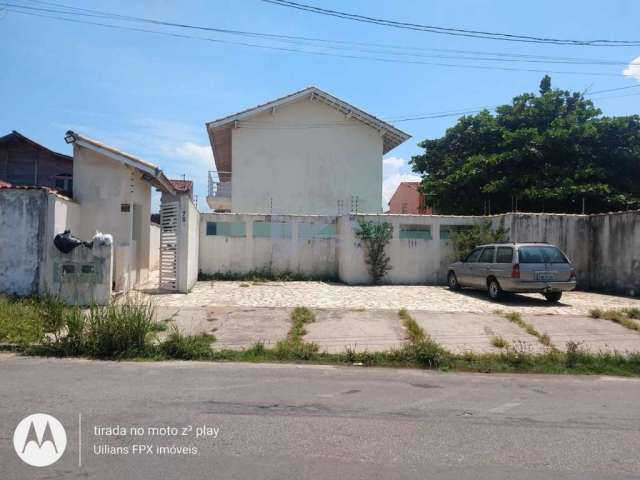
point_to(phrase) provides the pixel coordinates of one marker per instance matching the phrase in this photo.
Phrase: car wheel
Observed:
(495, 291)
(553, 297)
(452, 281)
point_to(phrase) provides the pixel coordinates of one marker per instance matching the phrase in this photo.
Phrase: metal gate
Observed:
(168, 245)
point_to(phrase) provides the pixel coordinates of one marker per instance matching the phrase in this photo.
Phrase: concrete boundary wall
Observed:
(276, 243)
(30, 264)
(605, 248)
(188, 240)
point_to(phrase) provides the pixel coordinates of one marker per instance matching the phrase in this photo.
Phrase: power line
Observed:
(326, 43)
(459, 32)
(329, 43)
(12, 8)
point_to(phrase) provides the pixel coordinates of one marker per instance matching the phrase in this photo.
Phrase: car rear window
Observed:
(504, 255)
(541, 254)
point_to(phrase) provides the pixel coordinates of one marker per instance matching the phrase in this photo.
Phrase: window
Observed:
(504, 255)
(541, 254)
(473, 256)
(316, 230)
(271, 230)
(415, 232)
(405, 207)
(64, 182)
(226, 229)
(487, 255)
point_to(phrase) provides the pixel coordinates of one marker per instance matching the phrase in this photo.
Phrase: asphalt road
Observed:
(287, 421)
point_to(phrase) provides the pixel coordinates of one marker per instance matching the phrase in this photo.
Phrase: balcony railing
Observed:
(219, 197)
(219, 184)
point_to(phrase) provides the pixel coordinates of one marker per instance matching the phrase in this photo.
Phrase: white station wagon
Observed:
(515, 267)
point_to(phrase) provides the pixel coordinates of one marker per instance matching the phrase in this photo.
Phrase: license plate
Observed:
(545, 276)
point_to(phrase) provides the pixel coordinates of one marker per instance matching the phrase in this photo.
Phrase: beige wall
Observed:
(154, 246)
(311, 257)
(101, 186)
(280, 165)
(188, 240)
(30, 264)
(413, 261)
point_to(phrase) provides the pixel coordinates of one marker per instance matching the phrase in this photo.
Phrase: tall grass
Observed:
(186, 347)
(20, 322)
(119, 330)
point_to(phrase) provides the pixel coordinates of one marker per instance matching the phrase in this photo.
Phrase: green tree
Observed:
(546, 152)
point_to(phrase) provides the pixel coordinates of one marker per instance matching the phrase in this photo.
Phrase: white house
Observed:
(113, 189)
(308, 153)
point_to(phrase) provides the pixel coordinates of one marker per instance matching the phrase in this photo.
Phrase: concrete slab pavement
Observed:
(594, 334)
(238, 328)
(469, 332)
(371, 330)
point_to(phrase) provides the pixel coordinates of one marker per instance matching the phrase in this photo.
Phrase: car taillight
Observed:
(572, 276)
(515, 270)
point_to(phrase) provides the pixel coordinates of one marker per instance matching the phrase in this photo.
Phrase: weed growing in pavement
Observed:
(498, 342)
(421, 348)
(415, 333)
(516, 318)
(623, 316)
(294, 347)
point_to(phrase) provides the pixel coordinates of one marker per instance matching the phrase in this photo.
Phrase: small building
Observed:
(409, 199)
(27, 163)
(113, 190)
(308, 153)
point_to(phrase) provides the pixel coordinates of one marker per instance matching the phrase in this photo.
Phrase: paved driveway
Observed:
(240, 314)
(386, 297)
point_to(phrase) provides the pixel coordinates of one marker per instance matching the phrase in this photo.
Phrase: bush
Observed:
(375, 237)
(464, 241)
(187, 347)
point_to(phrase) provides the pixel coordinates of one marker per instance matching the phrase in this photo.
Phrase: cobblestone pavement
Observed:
(386, 297)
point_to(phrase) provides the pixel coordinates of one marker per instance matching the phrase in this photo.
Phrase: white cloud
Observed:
(633, 70)
(394, 171)
(199, 154)
(394, 162)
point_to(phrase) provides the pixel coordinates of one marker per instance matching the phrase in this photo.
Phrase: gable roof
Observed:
(392, 136)
(411, 185)
(18, 136)
(182, 185)
(152, 172)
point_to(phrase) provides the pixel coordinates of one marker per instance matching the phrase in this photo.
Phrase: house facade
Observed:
(113, 190)
(24, 162)
(308, 153)
(409, 199)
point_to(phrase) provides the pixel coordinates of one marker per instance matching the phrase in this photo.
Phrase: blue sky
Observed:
(152, 94)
